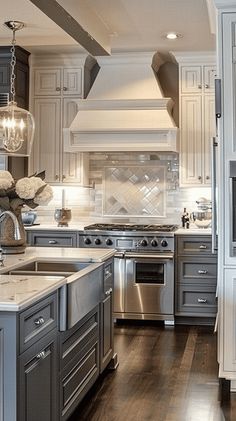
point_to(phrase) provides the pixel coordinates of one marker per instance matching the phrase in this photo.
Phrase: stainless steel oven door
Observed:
(149, 284)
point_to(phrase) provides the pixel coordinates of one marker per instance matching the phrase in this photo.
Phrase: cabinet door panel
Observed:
(191, 77)
(191, 152)
(74, 165)
(209, 74)
(229, 321)
(38, 374)
(72, 81)
(209, 132)
(46, 148)
(106, 345)
(47, 82)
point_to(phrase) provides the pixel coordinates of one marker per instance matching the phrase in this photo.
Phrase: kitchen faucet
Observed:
(17, 235)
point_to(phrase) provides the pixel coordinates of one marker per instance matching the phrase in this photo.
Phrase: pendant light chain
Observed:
(13, 63)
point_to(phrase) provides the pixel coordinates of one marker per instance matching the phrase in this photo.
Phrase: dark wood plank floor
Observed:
(164, 374)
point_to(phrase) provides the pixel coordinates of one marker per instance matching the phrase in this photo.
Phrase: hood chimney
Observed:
(125, 109)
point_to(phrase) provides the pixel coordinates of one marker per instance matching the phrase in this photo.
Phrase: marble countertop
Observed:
(193, 231)
(79, 227)
(19, 291)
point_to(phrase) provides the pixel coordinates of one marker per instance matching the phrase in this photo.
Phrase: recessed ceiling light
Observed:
(173, 35)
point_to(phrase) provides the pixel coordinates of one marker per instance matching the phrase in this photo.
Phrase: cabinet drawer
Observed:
(194, 245)
(38, 320)
(52, 239)
(193, 301)
(77, 382)
(197, 270)
(74, 342)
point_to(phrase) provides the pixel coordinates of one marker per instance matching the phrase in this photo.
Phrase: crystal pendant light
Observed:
(16, 124)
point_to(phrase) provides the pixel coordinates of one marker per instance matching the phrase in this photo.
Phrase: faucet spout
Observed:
(17, 234)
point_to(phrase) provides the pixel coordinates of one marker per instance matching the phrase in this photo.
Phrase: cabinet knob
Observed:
(109, 291)
(41, 355)
(199, 86)
(58, 88)
(63, 177)
(202, 300)
(199, 177)
(206, 86)
(52, 242)
(207, 177)
(39, 322)
(56, 177)
(65, 88)
(202, 247)
(202, 272)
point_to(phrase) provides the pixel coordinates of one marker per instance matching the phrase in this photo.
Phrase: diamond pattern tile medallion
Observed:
(134, 191)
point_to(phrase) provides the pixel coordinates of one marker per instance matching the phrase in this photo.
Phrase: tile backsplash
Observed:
(128, 188)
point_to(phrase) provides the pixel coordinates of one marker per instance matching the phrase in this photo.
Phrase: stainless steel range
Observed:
(144, 267)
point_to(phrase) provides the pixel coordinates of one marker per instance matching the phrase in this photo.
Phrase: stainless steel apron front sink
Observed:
(79, 295)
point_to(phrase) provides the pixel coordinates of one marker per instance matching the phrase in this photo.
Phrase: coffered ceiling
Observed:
(117, 25)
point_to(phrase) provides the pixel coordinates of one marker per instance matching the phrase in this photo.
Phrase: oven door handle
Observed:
(119, 254)
(156, 256)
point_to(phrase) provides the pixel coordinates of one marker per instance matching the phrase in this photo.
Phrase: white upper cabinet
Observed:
(57, 81)
(56, 91)
(197, 117)
(197, 79)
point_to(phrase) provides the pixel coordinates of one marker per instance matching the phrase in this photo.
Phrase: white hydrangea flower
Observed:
(6, 180)
(25, 188)
(37, 182)
(45, 196)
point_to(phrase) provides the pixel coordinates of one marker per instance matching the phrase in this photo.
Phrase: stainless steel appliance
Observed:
(143, 269)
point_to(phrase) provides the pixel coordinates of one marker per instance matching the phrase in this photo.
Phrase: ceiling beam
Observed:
(71, 26)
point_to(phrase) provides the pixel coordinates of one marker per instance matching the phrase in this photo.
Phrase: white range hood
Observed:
(125, 109)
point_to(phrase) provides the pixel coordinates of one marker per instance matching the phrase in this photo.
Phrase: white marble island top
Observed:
(19, 291)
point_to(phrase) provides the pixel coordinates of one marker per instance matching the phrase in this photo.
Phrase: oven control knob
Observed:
(154, 243)
(97, 241)
(164, 243)
(143, 243)
(87, 241)
(109, 242)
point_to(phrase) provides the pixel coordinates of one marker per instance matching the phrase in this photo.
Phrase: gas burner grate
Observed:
(132, 227)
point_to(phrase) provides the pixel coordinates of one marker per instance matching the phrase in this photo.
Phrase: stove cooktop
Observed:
(132, 227)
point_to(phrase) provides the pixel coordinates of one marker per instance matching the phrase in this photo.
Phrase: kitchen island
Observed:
(56, 332)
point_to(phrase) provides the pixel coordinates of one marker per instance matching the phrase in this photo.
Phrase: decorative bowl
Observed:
(29, 217)
(62, 217)
(202, 219)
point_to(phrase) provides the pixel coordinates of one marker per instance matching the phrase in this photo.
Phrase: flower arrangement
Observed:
(31, 191)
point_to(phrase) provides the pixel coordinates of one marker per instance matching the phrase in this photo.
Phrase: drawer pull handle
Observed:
(41, 355)
(202, 247)
(39, 322)
(107, 273)
(52, 242)
(109, 291)
(202, 272)
(202, 300)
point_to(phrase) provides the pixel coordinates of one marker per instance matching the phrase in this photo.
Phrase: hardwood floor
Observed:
(164, 374)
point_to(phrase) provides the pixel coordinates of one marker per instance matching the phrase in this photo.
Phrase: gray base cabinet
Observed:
(44, 372)
(196, 277)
